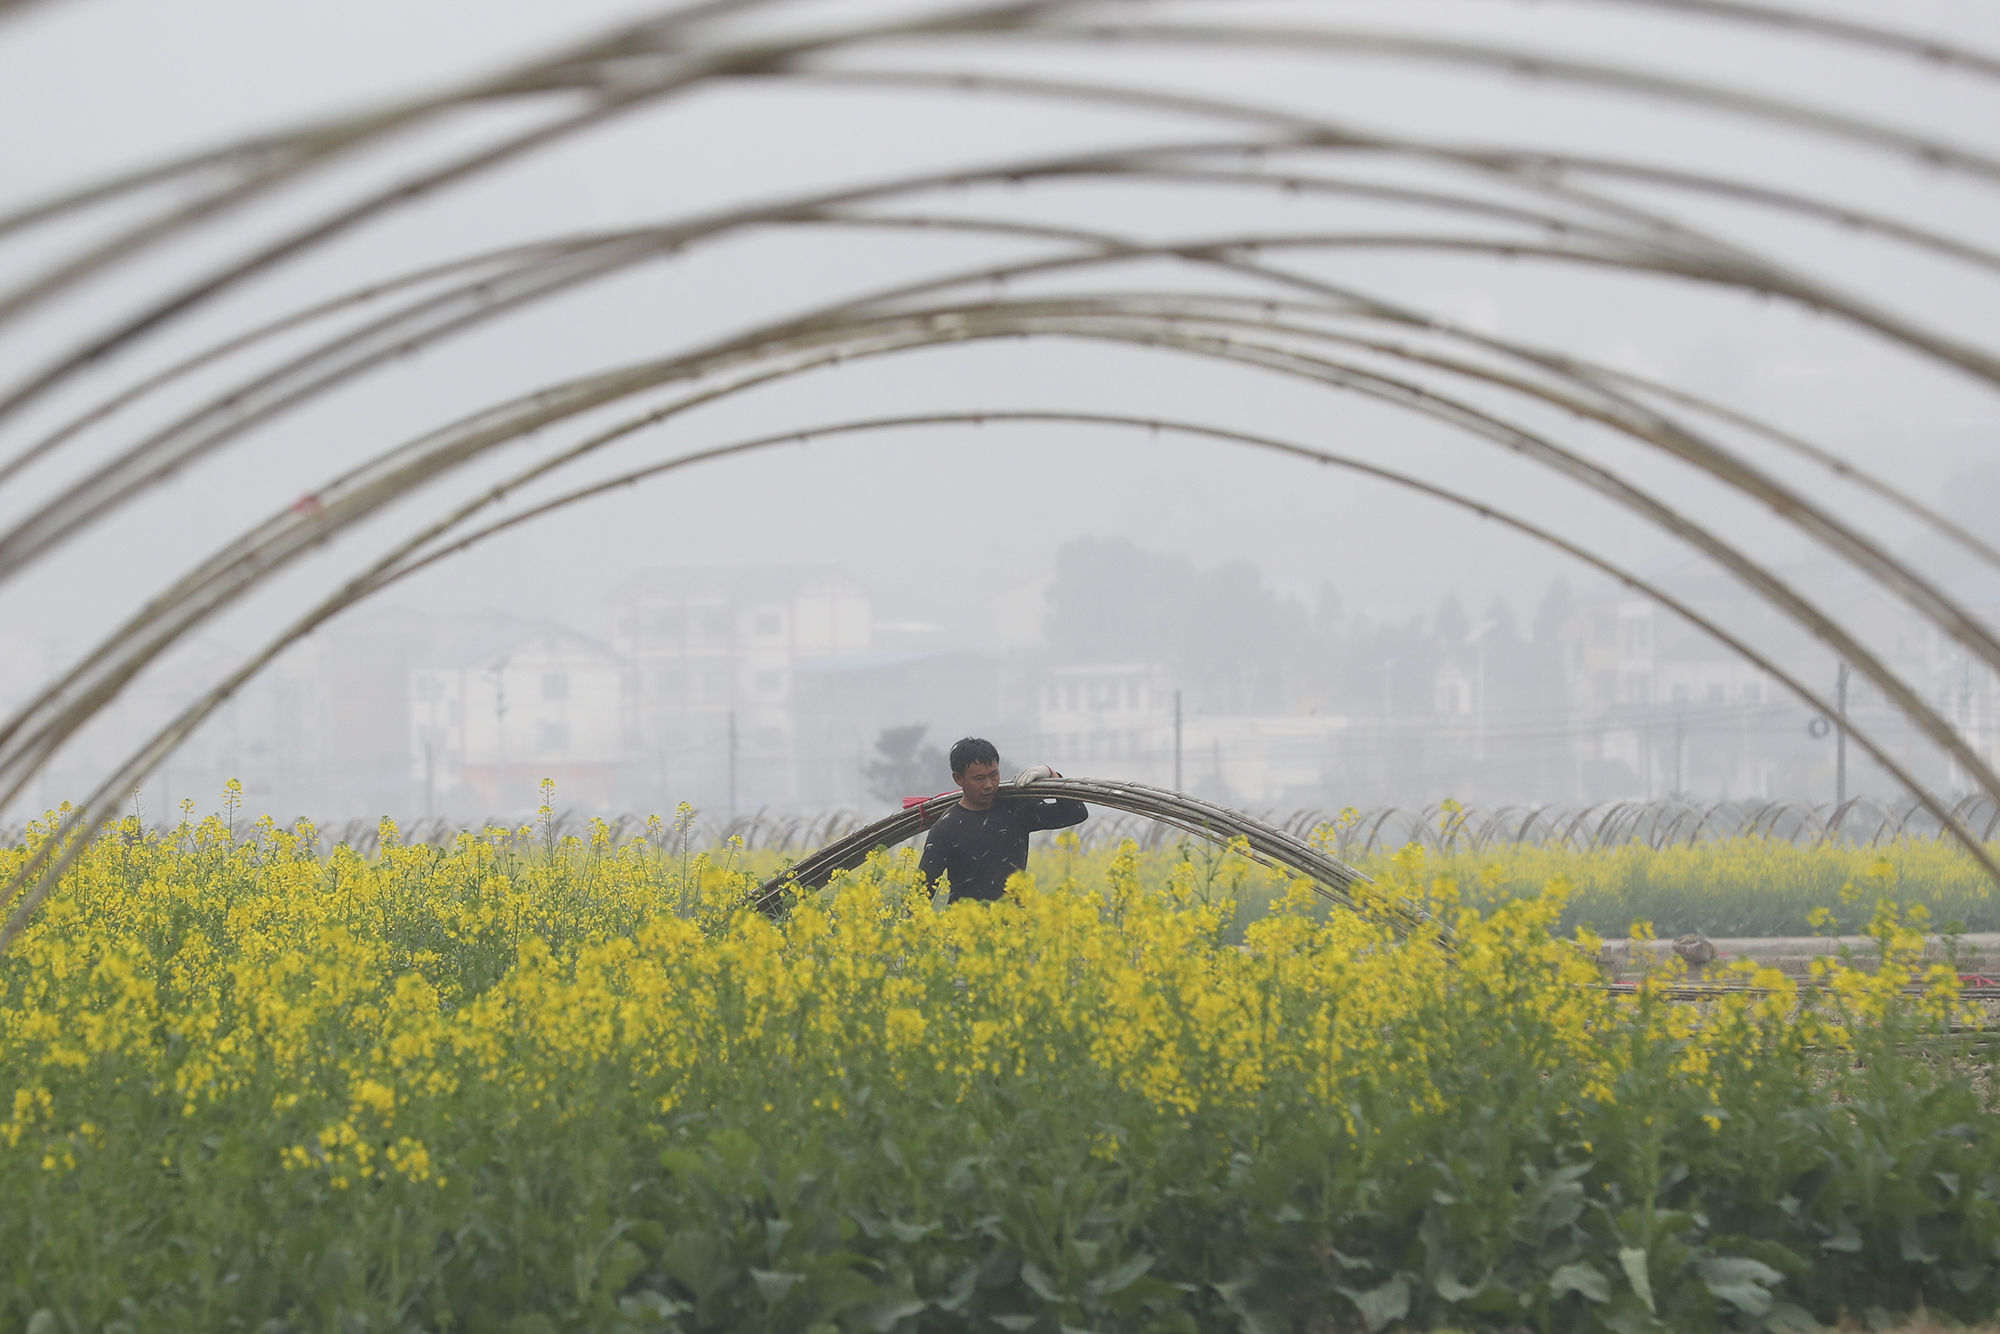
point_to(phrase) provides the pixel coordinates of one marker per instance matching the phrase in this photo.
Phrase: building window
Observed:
(769, 624)
(429, 689)
(555, 685)
(666, 623)
(1718, 694)
(555, 736)
(770, 683)
(715, 623)
(1753, 692)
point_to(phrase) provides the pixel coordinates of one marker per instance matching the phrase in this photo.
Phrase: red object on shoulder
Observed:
(924, 818)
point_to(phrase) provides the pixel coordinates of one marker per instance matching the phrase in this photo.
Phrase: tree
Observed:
(903, 766)
(1450, 627)
(1231, 639)
(1558, 604)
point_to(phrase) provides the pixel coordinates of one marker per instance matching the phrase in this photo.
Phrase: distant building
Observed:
(498, 708)
(1105, 716)
(1116, 720)
(712, 655)
(844, 702)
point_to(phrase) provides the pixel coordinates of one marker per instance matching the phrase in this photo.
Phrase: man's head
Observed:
(975, 767)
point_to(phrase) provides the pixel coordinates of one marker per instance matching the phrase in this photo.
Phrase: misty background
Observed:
(806, 629)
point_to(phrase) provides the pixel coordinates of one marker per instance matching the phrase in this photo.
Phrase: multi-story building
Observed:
(1122, 720)
(498, 709)
(711, 655)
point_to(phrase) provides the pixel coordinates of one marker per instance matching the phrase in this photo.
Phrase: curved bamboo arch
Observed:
(1264, 843)
(233, 571)
(244, 565)
(595, 257)
(604, 67)
(1956, 622)
(43, 869)
(645, 64)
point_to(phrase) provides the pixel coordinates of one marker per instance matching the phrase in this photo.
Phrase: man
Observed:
(979, 843)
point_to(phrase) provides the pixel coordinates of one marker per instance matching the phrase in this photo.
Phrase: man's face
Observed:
(981, 785)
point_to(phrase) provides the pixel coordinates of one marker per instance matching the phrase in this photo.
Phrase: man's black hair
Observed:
(970, 751)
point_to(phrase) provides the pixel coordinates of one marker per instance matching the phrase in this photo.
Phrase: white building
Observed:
(712, 655)
(1117, 720)
(497, 712)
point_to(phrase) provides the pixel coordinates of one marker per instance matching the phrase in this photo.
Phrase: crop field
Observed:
(1728, 887)
(536, 1083)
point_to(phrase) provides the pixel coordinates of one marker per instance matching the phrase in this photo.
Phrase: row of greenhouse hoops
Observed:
(1439, 827)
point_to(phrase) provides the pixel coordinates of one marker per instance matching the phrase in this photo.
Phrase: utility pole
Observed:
(1840, 738)
(732, 765)
(499, 676)
(1385, 730)
(430, 782)
(1478, 638)
(1177, 740)
(1649, 752)
(1681, 753)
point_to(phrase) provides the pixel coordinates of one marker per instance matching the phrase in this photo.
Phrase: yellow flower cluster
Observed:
(363, 1008)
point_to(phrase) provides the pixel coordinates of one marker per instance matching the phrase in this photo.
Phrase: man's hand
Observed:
(1034, 773)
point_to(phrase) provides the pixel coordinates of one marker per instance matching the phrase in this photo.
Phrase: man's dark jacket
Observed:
(978, 850)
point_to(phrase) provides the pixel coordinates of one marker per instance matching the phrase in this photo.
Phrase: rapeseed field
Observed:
(529, 1083)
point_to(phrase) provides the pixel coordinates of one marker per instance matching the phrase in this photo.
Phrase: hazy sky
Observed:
(943, 518)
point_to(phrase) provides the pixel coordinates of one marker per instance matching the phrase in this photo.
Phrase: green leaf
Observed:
(1742, 1282)
(682, 1162)
(1847, 1239)
(646, 1302)
(621, 1265)
(1449, 1288)
(1015, 1322)
(1785, 1318)
(1580, 1277)
(886, 1316)
(772, 1284)
(1630, 1319)
(1380, 1305)
(1632, 1259)
(696, 1261)
(42, 1322)
(1124, 1276)
(961, 1289)
(1914, 1248)
(1038, 1282)
(911, 1232)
